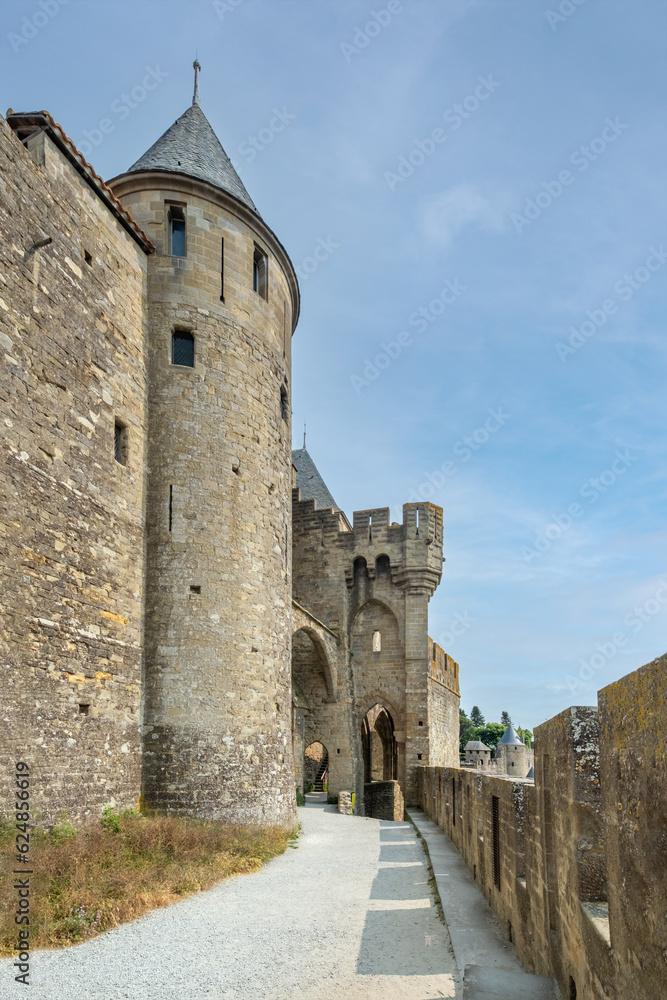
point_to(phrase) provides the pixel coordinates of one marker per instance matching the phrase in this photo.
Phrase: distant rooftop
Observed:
(510, 738)
(191, 147)
(476, 745)
(310, 482)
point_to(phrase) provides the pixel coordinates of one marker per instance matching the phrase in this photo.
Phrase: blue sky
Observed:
(509, 279)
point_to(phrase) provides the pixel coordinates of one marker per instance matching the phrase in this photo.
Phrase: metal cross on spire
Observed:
(304, 437)
(196, 67)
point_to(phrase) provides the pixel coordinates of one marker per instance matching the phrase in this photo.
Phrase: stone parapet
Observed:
(575, 865)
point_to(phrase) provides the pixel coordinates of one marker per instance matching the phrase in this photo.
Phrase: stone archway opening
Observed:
(379, 745)
(315, 767)
(383, 798)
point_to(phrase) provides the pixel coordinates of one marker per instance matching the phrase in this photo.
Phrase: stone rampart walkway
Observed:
(347, 915)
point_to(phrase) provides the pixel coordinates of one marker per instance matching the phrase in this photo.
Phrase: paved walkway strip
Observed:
(347, 915)
(486, 961)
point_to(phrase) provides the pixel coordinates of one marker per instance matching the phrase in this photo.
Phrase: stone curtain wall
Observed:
(72, 361)
(578, 877)
(443, 707)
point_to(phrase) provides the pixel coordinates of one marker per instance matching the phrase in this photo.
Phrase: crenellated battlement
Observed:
(414, 547)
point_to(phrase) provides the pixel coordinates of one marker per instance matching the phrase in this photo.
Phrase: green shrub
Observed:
(300, 797)
(110, 820)
(61, 831)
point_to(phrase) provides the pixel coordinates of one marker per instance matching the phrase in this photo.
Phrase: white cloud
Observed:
(446, 214)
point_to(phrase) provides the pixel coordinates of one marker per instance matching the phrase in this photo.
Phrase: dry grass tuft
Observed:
(90, 880)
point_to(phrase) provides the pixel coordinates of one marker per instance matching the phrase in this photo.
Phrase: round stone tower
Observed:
(222, 303)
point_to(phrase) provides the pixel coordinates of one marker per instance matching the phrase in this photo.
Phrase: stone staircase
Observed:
(321, 776)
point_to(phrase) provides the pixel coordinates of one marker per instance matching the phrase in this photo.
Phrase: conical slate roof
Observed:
(510, 738)
(310, 482)
(191, 147)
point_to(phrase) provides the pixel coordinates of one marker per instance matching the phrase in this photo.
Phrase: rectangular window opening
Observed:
(195, 588)
(83, 709)
(176, 229)
(120, 442)
(260, 273)
(183, 349)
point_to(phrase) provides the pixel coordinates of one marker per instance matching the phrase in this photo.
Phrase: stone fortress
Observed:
(189, 622)
(185, 609)
(512, 757)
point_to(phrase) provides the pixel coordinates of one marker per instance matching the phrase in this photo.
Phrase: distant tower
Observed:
(512, 755)
(222, 303)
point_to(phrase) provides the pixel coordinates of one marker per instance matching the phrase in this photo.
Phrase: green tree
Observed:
(505, 719)
(465, 727)
(525, 735)
(489, 734)
(476, 716)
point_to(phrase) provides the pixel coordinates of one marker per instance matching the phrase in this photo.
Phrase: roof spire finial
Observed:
(304, 437)
(196, 67)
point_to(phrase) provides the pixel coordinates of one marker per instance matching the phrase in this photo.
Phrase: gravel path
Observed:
(347, 914)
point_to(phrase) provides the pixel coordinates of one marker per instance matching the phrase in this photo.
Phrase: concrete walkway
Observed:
(487, 963)
(346, 915)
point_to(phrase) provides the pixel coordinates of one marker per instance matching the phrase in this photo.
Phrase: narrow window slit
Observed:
(260, 273)
(120, 442)
(176, 223)
(495, 818)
